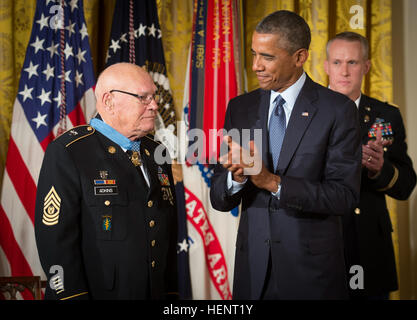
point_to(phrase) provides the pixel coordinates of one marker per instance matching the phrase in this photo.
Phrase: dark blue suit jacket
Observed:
(320, 167)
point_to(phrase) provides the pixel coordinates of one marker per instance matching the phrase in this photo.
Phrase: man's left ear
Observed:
(301, 56)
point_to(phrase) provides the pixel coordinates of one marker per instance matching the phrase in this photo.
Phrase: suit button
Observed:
(152, 223)
(107, 203)
(358, 211)
(153, 263)
(268, 242)
(153, 242)
(150, 203)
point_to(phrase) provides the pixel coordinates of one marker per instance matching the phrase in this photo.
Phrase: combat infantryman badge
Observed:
(51, 208)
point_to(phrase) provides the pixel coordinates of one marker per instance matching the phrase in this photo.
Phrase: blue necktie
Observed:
(277, 125)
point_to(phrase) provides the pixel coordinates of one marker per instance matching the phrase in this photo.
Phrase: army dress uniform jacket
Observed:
(368, 229)
(98, 222)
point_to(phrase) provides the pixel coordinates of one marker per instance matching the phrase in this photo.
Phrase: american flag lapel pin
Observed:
(305, 114)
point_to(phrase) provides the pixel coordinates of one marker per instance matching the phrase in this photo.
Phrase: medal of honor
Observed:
(136, 159)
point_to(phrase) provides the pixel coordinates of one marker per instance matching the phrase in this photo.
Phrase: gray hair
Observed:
(292, 29)
(351, 37)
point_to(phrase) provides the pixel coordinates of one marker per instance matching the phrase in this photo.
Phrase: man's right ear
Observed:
(107, 101)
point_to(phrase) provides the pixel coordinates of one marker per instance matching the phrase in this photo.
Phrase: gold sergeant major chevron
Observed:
(51, 208)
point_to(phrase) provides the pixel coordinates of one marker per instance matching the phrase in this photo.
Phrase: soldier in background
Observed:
(386, 169)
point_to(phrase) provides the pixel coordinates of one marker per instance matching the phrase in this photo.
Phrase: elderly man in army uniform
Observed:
(386, 169)
(105, 212)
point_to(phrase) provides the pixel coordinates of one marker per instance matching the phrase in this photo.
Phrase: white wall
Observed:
(404, 38)
(410, 86)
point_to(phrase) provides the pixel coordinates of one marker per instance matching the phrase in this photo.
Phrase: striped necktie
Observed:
(277, 126)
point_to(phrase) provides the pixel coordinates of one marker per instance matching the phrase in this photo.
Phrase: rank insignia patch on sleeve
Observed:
(51, 208)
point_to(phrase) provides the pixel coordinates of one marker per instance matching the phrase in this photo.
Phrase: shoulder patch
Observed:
(392, 105)
(75, 134)
(149, 137)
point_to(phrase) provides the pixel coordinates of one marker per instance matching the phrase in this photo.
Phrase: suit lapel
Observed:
(301, 116)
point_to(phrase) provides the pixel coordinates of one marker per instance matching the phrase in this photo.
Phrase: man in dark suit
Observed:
(386, 169)
(289, 243)
(105, 217)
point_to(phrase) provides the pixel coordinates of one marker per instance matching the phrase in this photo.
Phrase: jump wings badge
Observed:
(51, 208)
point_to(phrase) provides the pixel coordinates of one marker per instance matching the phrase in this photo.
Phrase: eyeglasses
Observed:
(143, 99)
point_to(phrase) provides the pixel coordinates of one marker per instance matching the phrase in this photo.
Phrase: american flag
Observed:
(55, 92)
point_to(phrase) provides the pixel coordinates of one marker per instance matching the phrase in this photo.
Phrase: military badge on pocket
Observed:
(167, 195)
(106, 222)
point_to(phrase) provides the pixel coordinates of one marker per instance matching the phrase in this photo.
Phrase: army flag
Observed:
(55, 93)
(213, 78)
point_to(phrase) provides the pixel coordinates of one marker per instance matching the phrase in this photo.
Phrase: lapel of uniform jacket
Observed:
(262, 123)
(151, 167)
(367, 117)
(301, 116)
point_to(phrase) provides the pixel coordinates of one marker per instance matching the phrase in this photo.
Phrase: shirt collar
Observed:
(290, 94)
(358, 101)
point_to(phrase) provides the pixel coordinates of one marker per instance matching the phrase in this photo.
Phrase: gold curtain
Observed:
(325, 17)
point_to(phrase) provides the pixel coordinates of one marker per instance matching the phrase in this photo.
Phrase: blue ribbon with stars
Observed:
(114, 135)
